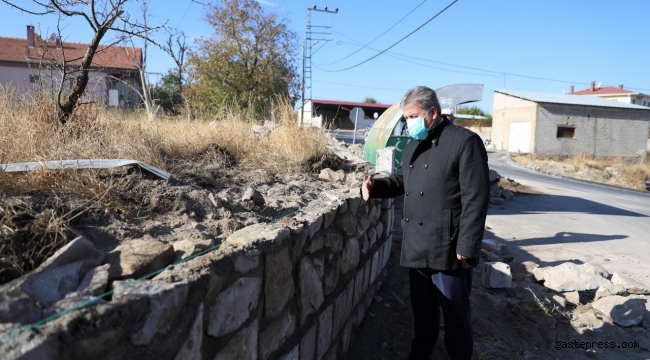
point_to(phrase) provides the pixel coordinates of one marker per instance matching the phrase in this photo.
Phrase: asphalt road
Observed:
(573, 221)
(348, 135)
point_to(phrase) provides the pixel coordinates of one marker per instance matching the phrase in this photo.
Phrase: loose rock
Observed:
(569, 277)
(622, 310)
(632, 286)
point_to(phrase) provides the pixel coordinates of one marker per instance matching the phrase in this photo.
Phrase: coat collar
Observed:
(437, 130)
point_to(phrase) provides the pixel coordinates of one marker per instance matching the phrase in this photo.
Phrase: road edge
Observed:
(511, 162)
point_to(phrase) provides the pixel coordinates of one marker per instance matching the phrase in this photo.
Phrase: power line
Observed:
(402, 57)
(380, 35)
(399, 41)
(405, 57)
(359, 86)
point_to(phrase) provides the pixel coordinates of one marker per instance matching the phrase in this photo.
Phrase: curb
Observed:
(509, 161)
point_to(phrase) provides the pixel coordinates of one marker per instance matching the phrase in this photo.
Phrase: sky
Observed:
(532, 45)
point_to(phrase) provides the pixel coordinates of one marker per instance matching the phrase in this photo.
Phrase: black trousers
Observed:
(432, 291)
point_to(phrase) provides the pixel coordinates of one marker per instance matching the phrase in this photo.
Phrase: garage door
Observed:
(519, 140)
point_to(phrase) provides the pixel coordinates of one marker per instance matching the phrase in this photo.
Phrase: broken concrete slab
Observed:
(573, 297)
(592, 269)
(494, 246)
(538, 273)
(631, 286)
(570, 277)
(609, 290)
(623, 311)
(496, 275)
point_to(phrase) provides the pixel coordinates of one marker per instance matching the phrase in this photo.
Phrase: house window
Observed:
(633, 101)
(33, 78)
(566, 131)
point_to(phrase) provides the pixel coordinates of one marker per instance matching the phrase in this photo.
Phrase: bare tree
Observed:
(102, 16)
(177, 52)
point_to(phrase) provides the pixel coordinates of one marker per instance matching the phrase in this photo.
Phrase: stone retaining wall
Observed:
(291, 290)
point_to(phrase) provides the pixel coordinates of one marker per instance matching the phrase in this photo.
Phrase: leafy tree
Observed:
(370, 100)
(248, 61)
(473, 110)
(167, 92)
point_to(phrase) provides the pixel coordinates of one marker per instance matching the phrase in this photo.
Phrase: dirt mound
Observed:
(208, 197)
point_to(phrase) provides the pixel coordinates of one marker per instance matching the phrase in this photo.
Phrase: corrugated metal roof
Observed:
(350, 103)
(570, 99)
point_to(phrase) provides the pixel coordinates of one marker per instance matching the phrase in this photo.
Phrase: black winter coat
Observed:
(446, 185)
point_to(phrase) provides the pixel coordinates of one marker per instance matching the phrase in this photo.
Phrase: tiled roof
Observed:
(114, 57)
(570, 100)
(609, 90)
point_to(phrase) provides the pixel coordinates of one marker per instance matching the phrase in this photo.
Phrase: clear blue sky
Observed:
(474, 41)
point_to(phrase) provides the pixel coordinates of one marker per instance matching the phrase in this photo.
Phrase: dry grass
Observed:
(614, 171)
(29, 233)
(29, 132)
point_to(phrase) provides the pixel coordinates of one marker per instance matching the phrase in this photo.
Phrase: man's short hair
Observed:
(425, 97)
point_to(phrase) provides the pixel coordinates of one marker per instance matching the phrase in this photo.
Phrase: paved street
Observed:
(347, 136)
(573, 221)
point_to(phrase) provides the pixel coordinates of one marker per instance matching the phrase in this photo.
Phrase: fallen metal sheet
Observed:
(82, 164)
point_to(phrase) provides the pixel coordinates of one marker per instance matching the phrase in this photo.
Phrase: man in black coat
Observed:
(444, 177)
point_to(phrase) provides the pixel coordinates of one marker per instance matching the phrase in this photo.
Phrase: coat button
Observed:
(407, 220)
(407, 194)
(426, 166)
(421, 193)
(420, 223)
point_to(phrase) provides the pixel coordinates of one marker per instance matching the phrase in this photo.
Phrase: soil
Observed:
(523, 322)
(203, 199)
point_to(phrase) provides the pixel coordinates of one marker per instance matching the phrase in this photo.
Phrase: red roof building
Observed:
(34, 64)
(614, 93)
(336, 113)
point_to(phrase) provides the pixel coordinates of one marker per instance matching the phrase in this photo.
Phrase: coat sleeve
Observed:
(474, 194)
(389, 187)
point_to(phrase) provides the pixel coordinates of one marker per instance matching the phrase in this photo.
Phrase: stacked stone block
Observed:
(270, 292)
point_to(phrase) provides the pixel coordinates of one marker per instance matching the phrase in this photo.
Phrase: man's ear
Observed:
(434, 112)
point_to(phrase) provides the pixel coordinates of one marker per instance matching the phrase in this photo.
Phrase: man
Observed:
(444, 177)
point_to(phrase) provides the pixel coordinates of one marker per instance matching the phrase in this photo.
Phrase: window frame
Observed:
(563, 129)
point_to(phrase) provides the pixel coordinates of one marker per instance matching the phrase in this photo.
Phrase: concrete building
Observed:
(328, 113)
(35, 64)
(614, 93)
(567, 125)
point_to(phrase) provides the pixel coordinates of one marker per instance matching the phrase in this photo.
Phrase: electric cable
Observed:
(380, 35)
(399, 41)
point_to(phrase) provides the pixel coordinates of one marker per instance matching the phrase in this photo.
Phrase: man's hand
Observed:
(366, 186)
(461, 257)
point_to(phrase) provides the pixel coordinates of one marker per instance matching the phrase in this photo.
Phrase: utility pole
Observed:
(306, 56)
